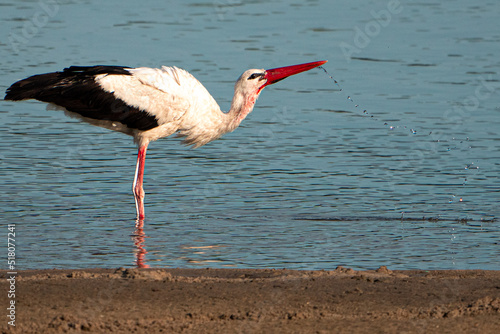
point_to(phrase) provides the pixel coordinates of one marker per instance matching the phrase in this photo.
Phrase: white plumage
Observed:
(176, 98)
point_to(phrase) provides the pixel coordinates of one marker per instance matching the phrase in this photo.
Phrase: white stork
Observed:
(149, 103)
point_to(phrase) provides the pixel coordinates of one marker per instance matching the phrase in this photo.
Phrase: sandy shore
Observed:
(253, 301)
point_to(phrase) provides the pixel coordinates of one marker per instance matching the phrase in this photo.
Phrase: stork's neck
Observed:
(241, 106)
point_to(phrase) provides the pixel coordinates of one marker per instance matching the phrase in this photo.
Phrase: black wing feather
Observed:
(76, 90)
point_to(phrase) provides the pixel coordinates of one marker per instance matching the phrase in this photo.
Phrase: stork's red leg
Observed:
(137, 186)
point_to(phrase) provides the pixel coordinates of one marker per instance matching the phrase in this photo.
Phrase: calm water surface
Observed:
(398, 164)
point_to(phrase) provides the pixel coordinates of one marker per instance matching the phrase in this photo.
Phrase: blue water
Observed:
(398, 164)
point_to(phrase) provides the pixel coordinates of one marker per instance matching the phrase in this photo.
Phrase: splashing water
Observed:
(463, 144)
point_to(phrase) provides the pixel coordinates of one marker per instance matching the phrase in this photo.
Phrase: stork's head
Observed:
(251, 83)
(254, 80)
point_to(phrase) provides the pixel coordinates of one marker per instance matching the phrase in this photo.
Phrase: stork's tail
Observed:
(44, 86)
(32, 87)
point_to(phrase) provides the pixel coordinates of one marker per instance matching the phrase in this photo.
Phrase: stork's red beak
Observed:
(276, 74)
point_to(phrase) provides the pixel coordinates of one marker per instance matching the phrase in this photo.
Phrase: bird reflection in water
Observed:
(139, 237)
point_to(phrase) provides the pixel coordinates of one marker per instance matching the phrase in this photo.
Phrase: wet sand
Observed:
(253, 301)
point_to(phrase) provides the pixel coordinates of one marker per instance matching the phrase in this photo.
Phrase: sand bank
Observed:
(253, 301)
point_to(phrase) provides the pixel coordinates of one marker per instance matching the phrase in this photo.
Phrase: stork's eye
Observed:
(255, 76)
